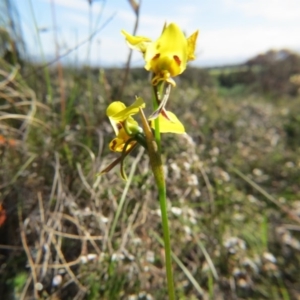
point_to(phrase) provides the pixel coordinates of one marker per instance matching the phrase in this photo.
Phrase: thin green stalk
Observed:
(167, 243)
(161, 185)
(157, 168)
(185, 270)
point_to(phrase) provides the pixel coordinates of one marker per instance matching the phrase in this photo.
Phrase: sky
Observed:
(231, 31)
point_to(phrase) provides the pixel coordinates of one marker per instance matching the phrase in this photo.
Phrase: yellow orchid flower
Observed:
(127, 130)
(168, 56)
(124, 125)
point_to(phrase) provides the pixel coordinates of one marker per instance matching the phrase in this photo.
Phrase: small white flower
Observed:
(187, 230)
(91, 256)
(136, 241)
(103, 219)
(176, 170)
(150, 256)
(192, 180)
(225, 176)
(83, 259)
(214, 151)
(176, 211)
(257, 172)
(187, 166)
(269, 257)
(117, 256)
(38, 286)
(57, 280)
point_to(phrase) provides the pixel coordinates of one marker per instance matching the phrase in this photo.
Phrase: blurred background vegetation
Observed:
(232, 181)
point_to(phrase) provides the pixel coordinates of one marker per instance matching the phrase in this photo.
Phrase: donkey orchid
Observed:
(168, 56)
(124, 125)
(128, 132)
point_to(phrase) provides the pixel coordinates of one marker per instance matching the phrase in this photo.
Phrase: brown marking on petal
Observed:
(113, 145)
(177, 59)
(156, 56)
(165, 114)
(119, 125)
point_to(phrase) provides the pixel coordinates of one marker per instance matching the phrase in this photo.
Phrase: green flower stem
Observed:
(157, 168)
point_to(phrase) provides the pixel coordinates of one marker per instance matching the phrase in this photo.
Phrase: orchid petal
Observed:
(192, 45)
(136, 42)
(169, 126)
(117, 144)
(114, 108)
(126, 112)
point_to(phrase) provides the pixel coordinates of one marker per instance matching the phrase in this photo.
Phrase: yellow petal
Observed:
(192, 40)
(168, 53)
(120, 116)
(114, 108)
(118, 143)
(126, 112)
(136, 42)
(173, 126)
